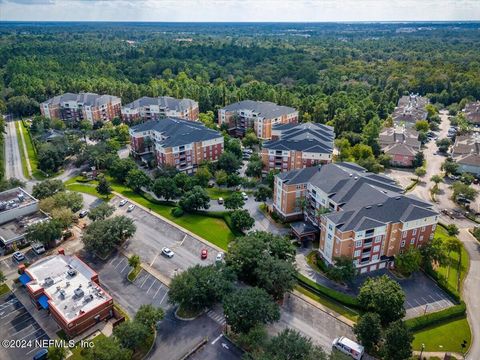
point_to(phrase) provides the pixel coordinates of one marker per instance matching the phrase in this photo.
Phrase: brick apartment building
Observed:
(296, 146)
(357, 214)
(410, 109)
(401, 143)
(150, 108)
(175, 142)
(260, 116)
(71, 107)
(69, 290)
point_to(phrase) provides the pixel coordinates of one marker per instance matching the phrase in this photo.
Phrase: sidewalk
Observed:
(438, 354)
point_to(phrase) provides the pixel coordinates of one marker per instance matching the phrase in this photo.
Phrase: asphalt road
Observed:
(13, 161)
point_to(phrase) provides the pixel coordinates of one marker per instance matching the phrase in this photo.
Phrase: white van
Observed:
(348, 347)
(38, 248)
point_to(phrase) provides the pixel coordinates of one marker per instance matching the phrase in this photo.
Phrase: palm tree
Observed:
(134, 261)
(452, 244)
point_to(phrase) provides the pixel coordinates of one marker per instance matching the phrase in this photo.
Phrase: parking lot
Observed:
(153, 234)
(146, 289)
(17, 324)
(9, 266)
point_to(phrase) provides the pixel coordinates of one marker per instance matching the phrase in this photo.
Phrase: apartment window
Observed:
(404, 234)
(329, 236)
(414, 232)
(374, 257)
(376, 248)
(431, 236)
(434, 227)
(412, 241)
(378, 239)
(330, 227)
(358, 243)
(423, 228)
(299, 186)
(357, 253)
(421, 238)
(402, 243)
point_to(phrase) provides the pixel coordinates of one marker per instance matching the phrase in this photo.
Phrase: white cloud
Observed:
(239, 10)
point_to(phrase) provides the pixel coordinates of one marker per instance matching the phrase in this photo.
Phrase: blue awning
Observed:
(43, 301)
(24, 279)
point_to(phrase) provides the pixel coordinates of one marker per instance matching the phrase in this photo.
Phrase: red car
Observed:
(204, 254)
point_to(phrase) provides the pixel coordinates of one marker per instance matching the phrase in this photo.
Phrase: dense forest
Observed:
(344, 74)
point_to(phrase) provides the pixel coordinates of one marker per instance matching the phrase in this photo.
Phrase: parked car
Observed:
(448, 213)
(245, 196)
(167, 252)
(219, 257)
(130, 208)
(122, 203)
(349, 347)
(463, 200)
(41, 354)
(476, 181)
(38, 248)
(83, 213)
(18, 256)
(204, 254)
(220, 201)
(454, 177)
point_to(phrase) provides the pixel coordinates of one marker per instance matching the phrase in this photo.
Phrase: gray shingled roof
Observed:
(167, 102)
(89, 99)
(177, 132)
(308, 137)
(265, 109)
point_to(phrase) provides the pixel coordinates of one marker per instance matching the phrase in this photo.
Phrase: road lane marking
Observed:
(218, 338)
(155, 258)
(181, 242)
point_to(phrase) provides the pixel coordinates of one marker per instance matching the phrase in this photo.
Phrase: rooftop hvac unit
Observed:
(78, 293)
(48, 281)
(62, 294)
(88, 298)
(72, 272)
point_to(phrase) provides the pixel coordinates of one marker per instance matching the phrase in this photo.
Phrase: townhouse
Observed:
(260, 116)
(71, 107)
(153, 108)
(472, 112)
(357, 214)
(297, 146)
(401, 143)
(466, 153)
(410, 109)
(180, 143)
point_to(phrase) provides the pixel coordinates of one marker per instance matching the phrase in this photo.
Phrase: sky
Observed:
(239, 10)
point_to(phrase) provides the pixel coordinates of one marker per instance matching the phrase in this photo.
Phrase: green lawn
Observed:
(216, 193)
(32, 154)
(4, 289)
(212, 229)
(22, 152)
(444, 337)
(452, 280)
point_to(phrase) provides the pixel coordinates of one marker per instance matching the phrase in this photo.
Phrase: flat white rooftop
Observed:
(67, 282)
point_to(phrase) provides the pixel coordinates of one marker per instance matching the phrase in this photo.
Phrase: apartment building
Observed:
(472, 112)
(296, 146)
(153, 108)
(410, 109)
(260, 116)
(71, 107)
(69, 290)
(180, 143)
(401, 143)
(357, 214)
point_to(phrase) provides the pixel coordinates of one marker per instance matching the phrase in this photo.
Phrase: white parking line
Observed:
(154, 296)
(121, 271)
(120, 263)
(26, 327)
(6, 263)
(218, 338)
(431, 297)
(153, 282)
(11, 312)
(155, 258)
(161, 301)
(28, 318)
(33, 332)
(8, 303)
(146, 277)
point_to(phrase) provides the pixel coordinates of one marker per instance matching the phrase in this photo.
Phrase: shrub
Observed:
(424, 321)
(177, 212)
(312, 286)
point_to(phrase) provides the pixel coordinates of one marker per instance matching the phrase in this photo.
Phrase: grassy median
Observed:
(18, 126)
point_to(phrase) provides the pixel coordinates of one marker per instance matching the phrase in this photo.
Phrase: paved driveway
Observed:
(153, 234)
(17, 324)
(144, 290)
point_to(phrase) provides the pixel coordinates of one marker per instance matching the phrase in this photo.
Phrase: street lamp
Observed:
(421, 352)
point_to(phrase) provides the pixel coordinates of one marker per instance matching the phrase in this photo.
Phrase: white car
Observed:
(130, 208)
(38, 248)
(122, 203)
(167, 252)
(18, 256)
(245, 196)
(219, 256)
